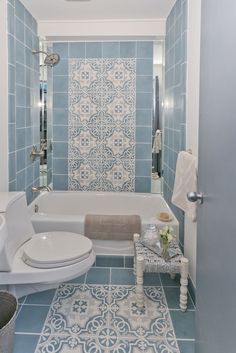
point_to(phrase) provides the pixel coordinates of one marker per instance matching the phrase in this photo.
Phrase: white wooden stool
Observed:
(146, 260)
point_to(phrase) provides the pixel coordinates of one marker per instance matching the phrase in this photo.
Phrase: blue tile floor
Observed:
(97, 313)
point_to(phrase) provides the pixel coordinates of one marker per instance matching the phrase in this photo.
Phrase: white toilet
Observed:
(31, 262)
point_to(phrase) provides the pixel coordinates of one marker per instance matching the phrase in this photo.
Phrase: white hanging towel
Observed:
(156, 148)
(185, 181)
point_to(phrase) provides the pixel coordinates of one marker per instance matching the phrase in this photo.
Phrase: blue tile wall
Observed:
(49, 118)
(143, 52)
(23, 98)
(175, 97)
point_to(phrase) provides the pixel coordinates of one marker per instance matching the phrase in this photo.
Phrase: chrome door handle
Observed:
(195, 196)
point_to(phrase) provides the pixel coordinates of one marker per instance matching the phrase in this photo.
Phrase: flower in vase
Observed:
(165, 240)
(166, 234)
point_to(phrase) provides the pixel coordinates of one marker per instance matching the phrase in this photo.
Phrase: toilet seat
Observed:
(55, 249)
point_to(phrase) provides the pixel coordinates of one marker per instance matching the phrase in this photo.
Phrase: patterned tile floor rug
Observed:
(104, 319)
(97, 313)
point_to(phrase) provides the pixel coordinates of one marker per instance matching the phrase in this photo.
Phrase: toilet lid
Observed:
(56, 249)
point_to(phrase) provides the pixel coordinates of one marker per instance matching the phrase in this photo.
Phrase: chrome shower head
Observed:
(51, 59)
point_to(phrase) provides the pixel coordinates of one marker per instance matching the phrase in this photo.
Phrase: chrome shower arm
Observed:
(39, 51)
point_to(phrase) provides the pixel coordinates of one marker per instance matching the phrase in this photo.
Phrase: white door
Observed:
(216, 251)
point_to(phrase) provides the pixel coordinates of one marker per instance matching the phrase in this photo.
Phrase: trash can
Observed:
(8, 310)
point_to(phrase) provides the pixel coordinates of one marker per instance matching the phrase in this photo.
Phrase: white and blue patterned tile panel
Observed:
(104, 319)
(102, 95)
(110, 50)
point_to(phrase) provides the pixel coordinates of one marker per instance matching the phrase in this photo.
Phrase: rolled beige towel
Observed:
(112, 227)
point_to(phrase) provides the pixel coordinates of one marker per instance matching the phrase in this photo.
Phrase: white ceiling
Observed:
(55, 10)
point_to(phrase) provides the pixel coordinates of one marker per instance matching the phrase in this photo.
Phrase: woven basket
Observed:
(8, 310)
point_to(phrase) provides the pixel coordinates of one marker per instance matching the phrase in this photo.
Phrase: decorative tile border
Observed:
(102, 100)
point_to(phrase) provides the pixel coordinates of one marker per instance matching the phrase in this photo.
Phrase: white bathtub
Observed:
(66, 210)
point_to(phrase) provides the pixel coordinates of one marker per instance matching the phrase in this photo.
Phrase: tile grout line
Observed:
(35, 304)
(27, 334)
(191, 299)
(169, 312)
(48, 313)
(175, 309)
(85, 278)
(121, 268)
(21, 305)
(186, 339)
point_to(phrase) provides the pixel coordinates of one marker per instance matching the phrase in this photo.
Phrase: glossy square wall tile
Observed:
(20, 74)
(145, 49)
(143, 168)
(60, 100)
(19, 10)
(11, 49)
(20, 180)
(12, 166)
(144, 117)
(144, 100)
(77, 50)
(143, 184)
(60, 182)
(143, 134)
(60, 166)
(145, 67)
(60, 84)
(145, 84)
(11, 19)
(62, 49)
(11, 108)
(60, 116)
(61, 68)
(143, 151)
(28, 19)
(20, 32)
(111, 49)
(11, 79)
(60, 149)
(93, 49)
(60, 133)
(128, 49)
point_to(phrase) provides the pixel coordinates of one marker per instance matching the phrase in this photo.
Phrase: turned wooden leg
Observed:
(184, 283)
(139, 281)
(136, 237)
(172, 275)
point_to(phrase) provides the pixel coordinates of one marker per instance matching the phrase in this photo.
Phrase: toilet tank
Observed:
(15, 226)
